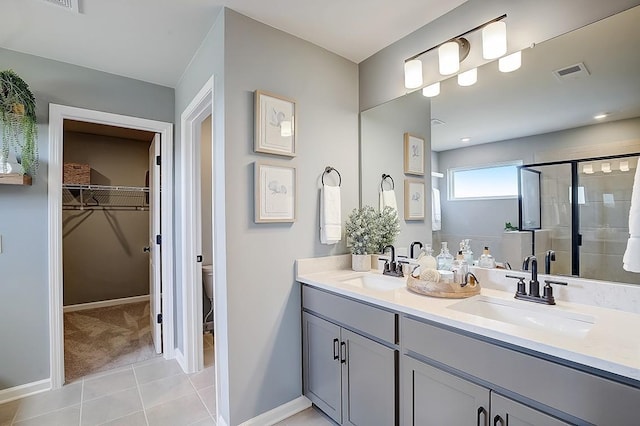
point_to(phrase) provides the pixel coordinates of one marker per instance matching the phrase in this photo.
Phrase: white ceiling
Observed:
(154, 40)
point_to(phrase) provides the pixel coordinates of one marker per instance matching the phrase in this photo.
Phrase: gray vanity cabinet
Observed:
(435, 397)
(506, 412)
(351, 377)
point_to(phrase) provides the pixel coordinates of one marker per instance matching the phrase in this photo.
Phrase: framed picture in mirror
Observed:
(275, 131)
(413, 155)
(414, 201)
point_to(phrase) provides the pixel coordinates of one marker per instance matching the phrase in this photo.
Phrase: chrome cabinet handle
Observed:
(336, 349)
(343, 352)
(496, 420)
(482, 411)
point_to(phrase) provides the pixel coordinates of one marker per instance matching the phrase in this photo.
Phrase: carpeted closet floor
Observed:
(106, 338)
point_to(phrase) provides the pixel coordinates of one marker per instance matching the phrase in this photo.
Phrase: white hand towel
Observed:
(330, 216)
(436, 214)
(388, 199)
(631, 259)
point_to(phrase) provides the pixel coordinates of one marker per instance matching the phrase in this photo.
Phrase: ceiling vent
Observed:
(70, 5)
(436, 122)
(572, 72)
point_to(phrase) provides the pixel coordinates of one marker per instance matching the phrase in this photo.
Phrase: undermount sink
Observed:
(525, 314)
(375, 282)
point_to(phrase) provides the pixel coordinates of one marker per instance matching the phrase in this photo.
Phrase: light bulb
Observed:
(431, 90)
(494, 40)
(449, 58)
(413, 74)
(468, 78)
(510, 62)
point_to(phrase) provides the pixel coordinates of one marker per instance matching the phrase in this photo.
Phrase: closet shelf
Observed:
(81, 197)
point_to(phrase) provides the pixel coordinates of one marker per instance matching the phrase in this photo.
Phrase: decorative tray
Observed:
(442, 289)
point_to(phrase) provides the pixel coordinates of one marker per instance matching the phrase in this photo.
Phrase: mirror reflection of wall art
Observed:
(275, 193)
(414, 201)
(413, 155)
(274, 124)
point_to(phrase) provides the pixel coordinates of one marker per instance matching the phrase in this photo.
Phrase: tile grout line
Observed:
(144, 410)
(81, 402)
(201, 399)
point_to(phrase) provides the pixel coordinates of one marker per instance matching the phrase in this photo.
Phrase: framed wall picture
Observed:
(413, 155)
(414, 201)
(275, 193)
(275, 131)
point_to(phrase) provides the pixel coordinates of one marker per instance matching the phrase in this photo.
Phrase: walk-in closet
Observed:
(106, 195)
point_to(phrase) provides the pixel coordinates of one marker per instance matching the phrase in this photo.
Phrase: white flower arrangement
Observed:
(369, 231)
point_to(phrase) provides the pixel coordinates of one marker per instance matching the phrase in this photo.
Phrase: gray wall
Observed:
(24, 295)
(263, 297)
(382, 132)
(483, 221)
(382, 74)
(102, 249)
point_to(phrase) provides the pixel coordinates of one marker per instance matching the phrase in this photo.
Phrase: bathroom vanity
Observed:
(376, 354)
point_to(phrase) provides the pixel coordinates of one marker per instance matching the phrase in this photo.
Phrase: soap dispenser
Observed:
(444, 259)
(486, 260)
(459, 268)
(426, 259)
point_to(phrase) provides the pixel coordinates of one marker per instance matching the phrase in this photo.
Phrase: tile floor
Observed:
(153, 392)
(150, 393)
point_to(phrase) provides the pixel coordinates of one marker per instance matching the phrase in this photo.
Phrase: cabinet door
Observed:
(369, 386)
(435, 397)
(506, 412)
(321, 365)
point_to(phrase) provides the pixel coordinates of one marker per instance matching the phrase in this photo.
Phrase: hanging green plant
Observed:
(18, 121)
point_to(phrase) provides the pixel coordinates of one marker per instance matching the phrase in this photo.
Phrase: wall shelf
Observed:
(15, 179)
(97, 197)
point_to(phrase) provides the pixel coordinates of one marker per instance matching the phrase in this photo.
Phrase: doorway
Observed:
(160, 261)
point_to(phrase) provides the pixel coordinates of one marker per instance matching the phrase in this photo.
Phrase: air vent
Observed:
(436, 122)
(70, 5)
(572, 72)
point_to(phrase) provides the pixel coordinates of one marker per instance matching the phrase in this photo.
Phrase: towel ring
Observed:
(384, 177)
(330, 169)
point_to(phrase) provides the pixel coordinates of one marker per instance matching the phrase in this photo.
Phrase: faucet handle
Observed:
(547, 291)
(522, 287)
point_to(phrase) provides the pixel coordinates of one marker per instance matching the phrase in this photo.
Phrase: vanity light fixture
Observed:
(511, 62)
(606, 167)
(468, 78)
(431, 90)
(413, 74)
(494, 40)
(624, 165)
(456, 49)
(587, 169)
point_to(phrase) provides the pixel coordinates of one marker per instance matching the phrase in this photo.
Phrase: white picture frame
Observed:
(274, 193)
(413, 155)
(414, 199)
(275, 131)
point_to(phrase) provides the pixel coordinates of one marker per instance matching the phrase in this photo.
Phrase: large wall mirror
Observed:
(541, 113)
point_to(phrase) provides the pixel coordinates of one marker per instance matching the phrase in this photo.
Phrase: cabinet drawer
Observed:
(355, 315)
(585, 396)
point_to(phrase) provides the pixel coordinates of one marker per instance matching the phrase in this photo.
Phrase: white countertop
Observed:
(612, 344)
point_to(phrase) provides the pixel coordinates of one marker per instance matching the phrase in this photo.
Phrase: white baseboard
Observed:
(280, 413)
(27, 389)
(179, 356)
(105, 303)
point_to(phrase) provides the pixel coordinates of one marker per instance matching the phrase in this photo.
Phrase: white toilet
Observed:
(207, 283)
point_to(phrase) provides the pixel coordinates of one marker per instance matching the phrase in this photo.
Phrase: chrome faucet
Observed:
(391, 267)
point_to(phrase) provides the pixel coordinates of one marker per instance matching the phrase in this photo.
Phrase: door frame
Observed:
(57, 115)
(191, 120)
